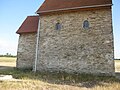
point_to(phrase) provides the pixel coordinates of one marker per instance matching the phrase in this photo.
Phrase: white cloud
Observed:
(8, 46)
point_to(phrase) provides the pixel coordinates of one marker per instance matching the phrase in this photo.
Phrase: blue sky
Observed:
(14, 12)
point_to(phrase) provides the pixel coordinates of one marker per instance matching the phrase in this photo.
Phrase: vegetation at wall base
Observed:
(26, 79)
(57, 81)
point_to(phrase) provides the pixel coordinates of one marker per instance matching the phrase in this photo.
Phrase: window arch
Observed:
(86, 24)
(58, 26)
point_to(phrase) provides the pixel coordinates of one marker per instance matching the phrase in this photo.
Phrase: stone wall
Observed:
(73, 48)
(26, 50)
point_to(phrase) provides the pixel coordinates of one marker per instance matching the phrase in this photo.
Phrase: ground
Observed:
(7, 62)
(27, 80)
(117, 65)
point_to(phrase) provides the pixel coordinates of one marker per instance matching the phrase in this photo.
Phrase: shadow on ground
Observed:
(6, 68)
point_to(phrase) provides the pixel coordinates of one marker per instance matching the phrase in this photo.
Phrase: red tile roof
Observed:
(58, 5)
(29, 25)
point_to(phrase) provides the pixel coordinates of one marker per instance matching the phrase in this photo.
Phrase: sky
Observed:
(14, 12)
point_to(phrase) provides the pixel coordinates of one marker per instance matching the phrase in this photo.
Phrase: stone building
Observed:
(27, 41)
(74, 36)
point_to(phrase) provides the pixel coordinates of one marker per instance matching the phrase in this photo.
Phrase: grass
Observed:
(7, 62)
(7, 59)
(117, 65)
(56, 81)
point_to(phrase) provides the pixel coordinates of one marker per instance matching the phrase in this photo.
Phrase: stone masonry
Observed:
(73, 48)
(26, 50)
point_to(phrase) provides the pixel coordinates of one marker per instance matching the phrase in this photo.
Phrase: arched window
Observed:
(86, 24)
(58, 26)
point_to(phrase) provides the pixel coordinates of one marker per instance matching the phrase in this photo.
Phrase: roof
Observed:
(29, 25)
(58, 5)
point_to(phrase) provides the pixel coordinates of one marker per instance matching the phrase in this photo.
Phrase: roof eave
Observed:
(26, 32)
(83, 7)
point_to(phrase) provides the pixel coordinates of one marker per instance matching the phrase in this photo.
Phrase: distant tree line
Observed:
(116, 59)
(8, 55)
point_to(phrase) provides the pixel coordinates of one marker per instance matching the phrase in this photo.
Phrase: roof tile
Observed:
(29, 25)
(57, 5)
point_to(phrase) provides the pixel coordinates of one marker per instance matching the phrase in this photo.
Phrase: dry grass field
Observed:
(28, 80)
(117, 65)
(7, 61)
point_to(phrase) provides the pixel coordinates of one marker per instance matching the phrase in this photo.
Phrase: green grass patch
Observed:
(56, 77)
(54, 80)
